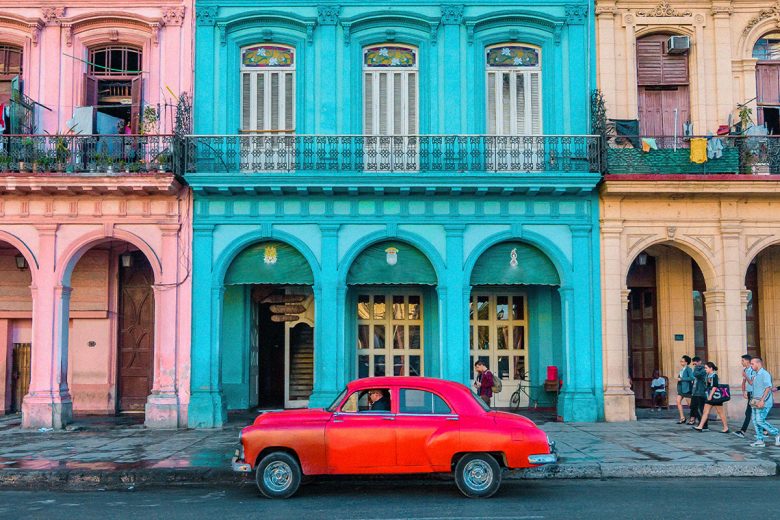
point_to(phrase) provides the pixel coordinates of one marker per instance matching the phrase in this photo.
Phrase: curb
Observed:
(83, 480)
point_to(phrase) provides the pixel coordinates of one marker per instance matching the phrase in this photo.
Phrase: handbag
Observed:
(757, 403)
(721, 394)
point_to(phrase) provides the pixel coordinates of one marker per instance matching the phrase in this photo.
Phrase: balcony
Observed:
(97, 164)
(419, 155)
(754, 155)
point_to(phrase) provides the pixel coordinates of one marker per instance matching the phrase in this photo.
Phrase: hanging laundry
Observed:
(648, 143)
(714, 148)
(2, 118)
(698, 150)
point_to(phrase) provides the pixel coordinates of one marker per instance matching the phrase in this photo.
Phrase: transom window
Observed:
(10, 60)
(115, 60)
(268, 89)
(514, 104)
(390, 90)
(390, 338)
(768, 47)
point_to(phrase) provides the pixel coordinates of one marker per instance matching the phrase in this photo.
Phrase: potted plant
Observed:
(5, 162)
(61, 153)
(164, 161)
(27, 159)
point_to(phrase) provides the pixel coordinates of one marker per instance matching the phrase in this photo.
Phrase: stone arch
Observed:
(76, 250)
(425, 247)
(226, 257)
(753, 33)
(23, 249)
(702, 259)
(677, 30)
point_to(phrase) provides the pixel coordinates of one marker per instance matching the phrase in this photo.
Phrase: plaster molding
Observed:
(606, 11)
(754, 242)
(706, 241)
(663, 10)
(328, 14)
(206, 16)
(30, 27)
(576, 14)
(173, 16)
(52, 15)
(634, 241)
(452, 14)
(763, 14)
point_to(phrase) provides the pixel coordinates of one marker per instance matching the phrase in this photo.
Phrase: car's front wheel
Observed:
(478, 475)
(278, 475)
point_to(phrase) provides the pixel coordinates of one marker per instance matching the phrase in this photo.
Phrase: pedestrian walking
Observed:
(762, 403)
(483, 382)
(684, 386)
(710, 403)
(699, 392)
(658, 387)
(747, 393)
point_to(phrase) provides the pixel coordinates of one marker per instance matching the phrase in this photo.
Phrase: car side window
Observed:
(422, 402)
(373, 400)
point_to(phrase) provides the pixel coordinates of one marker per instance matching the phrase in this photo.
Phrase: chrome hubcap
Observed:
(277, 476)
(478, 475)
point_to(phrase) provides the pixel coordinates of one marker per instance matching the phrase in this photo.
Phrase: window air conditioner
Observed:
(678, 45)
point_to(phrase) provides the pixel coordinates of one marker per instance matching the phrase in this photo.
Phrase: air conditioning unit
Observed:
(678, 45)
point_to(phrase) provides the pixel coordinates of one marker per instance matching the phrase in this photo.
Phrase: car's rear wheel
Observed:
(478, 475)
(278, 475)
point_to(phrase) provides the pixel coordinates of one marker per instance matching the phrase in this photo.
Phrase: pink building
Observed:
(94, 230)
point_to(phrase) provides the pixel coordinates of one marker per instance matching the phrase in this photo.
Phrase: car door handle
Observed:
(388, 418)
(452, 418)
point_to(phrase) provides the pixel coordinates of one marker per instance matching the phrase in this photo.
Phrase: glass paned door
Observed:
(390, 334)
(498, 332)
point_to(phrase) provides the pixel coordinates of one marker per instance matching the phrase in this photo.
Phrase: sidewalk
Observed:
(117, 453)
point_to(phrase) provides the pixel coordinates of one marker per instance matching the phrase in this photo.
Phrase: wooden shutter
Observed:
(136, 100)
(368, 103)
(536, 103)
(768, 83)
(90, 91)
(655, 66)
(491, 102)
(289, 101)
(412, 127)
(246, 103)
(390, 103)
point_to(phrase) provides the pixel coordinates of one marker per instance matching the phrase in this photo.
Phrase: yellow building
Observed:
(690, 220)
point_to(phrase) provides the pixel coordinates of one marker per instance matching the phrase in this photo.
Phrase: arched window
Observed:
(10, 62)
(767, 52)
(514, 90)
(390, 90)
(268, 88)
(113, 85)
(115, 60)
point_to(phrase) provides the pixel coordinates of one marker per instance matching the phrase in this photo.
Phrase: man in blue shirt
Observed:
(747, 392)
(763, 401)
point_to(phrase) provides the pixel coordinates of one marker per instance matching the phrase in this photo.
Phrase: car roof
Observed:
(420, 382)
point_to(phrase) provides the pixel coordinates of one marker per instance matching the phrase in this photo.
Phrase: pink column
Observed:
(162, 406)
(48, 403)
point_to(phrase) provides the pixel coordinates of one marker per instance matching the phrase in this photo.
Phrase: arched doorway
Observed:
(762, 281)
(268, 328)
(15, 328)
(767, 52)
(515, 320)
(394, 311)
(111, 337)
(666, 316)
(663, 86)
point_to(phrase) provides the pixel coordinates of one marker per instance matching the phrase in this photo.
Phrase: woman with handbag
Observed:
(717, 394)
(684, 386)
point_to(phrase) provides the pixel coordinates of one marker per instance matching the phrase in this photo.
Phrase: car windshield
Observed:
(480, 402)
(335, 403)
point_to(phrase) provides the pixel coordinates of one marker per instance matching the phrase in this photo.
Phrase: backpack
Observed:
(497, 385)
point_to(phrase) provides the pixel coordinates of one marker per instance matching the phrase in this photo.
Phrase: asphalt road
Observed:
(561, 499)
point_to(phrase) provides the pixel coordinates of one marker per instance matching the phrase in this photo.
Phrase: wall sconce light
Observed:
(641, 259)
(126, 259)
(21, 262)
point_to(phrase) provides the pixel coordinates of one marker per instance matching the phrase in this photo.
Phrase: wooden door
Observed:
(136, 100)
(657, 106)
(20, 374)
(136, 334)
(767, 87)
(642, 342)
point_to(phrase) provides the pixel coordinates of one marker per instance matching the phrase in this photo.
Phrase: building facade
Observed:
(689, 212)
(94, 228)
(398, 189)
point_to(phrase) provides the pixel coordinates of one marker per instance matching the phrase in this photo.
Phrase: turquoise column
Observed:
(454, 314)
(328, 371)
(451, 19)
(327, 18)
(205, 50)
(578, 401)
(207, 406)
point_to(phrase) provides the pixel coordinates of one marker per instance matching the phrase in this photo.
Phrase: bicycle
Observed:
(522, 388)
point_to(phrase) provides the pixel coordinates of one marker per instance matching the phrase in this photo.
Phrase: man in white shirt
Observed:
(747, 392)
(762, 395)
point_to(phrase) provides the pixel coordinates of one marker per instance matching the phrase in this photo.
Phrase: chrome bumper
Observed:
(239, 465)
(545, 458)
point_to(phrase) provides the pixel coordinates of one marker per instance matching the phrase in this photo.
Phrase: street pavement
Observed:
(616, 499)
(118, 453)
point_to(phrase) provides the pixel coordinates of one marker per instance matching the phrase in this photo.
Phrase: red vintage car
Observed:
(392, 425)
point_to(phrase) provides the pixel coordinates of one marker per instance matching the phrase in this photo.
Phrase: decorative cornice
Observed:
(328, 14)
(452, 14)
(207, 15)
(173, 15)
(606, 10)
(663, 10)
(576, 14)
(763, 14)
(52, 15)
(722, 9)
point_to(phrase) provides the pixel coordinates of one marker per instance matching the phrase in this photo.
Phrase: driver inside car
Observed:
(378, 401)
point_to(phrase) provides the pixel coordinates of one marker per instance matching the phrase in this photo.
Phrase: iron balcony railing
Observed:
(232, 154)
(710, 155)
(84, 154)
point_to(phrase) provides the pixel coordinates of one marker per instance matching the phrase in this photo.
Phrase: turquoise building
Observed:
(393, 188)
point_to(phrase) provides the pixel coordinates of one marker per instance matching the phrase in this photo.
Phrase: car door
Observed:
(360, 441)
(427, 431)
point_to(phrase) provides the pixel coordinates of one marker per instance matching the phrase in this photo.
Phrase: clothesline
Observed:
(108, 69)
